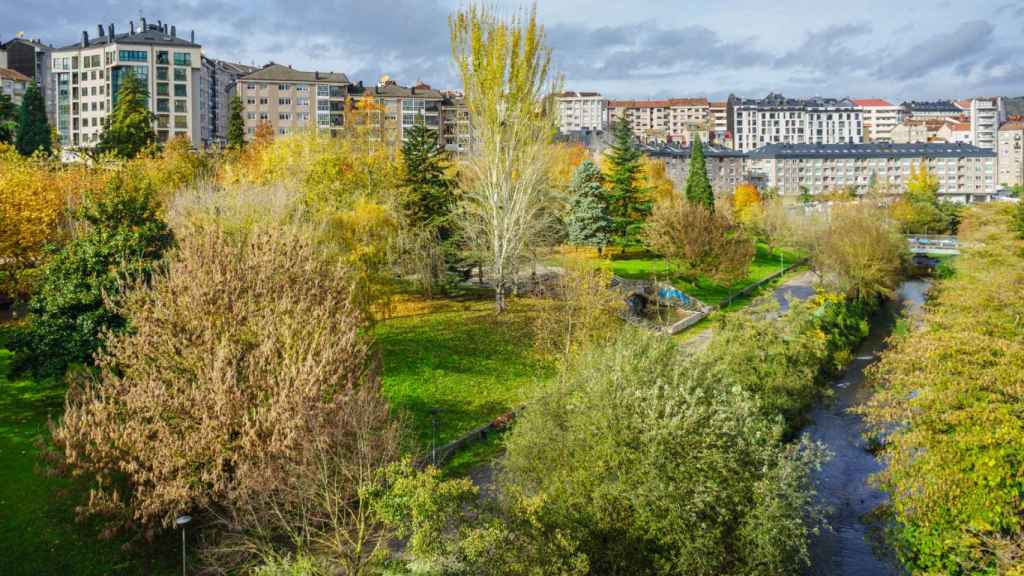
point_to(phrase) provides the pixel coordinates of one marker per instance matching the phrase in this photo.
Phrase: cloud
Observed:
(826, 51)
(957, 48)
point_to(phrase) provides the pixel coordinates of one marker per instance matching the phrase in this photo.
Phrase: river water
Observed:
(853, 545)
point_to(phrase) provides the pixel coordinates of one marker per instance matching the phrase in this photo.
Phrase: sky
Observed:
(895, 49)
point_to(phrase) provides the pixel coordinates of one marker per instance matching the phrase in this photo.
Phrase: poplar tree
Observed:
(588, 223)
(236, 126)
(129, 129)
(33, 132)
(698, 187)
(626, 205)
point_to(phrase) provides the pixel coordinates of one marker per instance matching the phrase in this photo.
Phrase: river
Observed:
(852, 546)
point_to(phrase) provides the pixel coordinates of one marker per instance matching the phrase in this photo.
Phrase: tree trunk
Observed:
(499, 296)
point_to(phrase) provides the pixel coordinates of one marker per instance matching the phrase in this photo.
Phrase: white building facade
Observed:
(779, 120)
(581, 111)
(879, 117)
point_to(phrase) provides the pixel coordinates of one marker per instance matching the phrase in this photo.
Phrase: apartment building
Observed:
(289, 100)
(924, 110)
(402, 107)
(719, 112)
(87, 76)
(986, 114)
(725, 167)
(581, 111)
(3, 55)
(919, 130)
(966, 173)
(676, 120)
(13, 84)
(776, 119)
(956, 133)
(1011, 153)
(456, 130)
(217, 87)
(879, 117)
(32, 59)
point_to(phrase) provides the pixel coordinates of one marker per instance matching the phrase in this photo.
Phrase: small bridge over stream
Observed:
(930, 244)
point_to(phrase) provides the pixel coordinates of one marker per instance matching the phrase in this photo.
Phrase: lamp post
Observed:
(433, 435)
(180, 522)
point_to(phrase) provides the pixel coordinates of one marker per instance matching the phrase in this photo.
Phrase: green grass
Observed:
(463, 360)
(38, 531)
(480, 453)
(766, 262)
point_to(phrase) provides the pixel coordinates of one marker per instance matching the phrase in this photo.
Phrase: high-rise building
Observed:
(581, 111)
(776, 119)
(1011, 153)
(986, 114)
(720, 123)
(217, 88)
(32, 58)
(13, 84)
(879, 117)
(674, 120)
(87, 76)
(965, 173)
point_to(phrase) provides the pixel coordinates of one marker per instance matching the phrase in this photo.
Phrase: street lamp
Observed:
(180, 522)
(433, 434)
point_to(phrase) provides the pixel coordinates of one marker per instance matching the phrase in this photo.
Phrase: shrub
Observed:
(244, 372)
(860, 254)
(702, 241)
(123, 239)
(581, 309)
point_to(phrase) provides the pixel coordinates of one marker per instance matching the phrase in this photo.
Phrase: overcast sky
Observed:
(897, 49)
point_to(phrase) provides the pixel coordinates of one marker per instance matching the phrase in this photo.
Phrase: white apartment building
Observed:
(929, 110)
(986, 115)
(779, 120)
(3, 56)
(879, 117)
(1011, 154)
(966, 173)
(87, 76)
(581, 111)
(675, 120)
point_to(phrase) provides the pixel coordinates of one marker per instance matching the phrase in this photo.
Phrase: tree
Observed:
(75, 304)
(8, 117)
(33, 131)
(429, 199)
(580, 310)
(919, 210)
(627, 205)
(746, 202)
(703, 242)
(698, 187)
(861, 253)
(504, 66)
(129, 128)
(588, 222)
(236, 126)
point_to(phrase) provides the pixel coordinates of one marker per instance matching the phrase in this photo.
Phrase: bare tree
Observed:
(504, 66)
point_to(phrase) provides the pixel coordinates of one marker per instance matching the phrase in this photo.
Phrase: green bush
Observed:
(123, 239)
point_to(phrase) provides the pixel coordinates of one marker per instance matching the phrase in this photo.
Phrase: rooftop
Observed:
(873, 150)
(280, 73)
(235, 67)
(574, 94)
(779, 101)
(8, 74)
(871, 102)
(160, 34)
(937, 106)
(1012, 125)
(658, 103)
(677, 151)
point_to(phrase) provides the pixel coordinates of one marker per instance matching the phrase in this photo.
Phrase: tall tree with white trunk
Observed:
(505, 68)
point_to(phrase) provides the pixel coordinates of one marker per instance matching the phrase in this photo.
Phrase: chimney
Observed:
(131, 27)
(110, 31)
(173, 31)
(192, 37)
(143, 24)
(160, 25)
(99, 31)
(85, 38)
(316, 74)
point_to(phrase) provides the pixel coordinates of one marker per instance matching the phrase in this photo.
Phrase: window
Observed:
(163, 121)
(301, 88)
(282, 87)
(162, 57)
(250, 115)
(250, 87)
(264, 116)
(181, 106)
(182, 59)
(132, 56)
(250, 101)
(284, 101)
(284, 116)
(180, 74)
(163, 105)
(181, 121)
(162, 89)
(161, 73)
(180, 90)
(302, 102)
(263, 101)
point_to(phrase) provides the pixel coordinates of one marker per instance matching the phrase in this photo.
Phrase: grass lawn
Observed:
(38, 532)
(765, 263)
(459, 358)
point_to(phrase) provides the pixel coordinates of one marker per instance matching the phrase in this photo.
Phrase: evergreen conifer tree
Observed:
(33, 131)
(429, 191)
(698, 187)
(626, 205)
(588, 223)
(236, 126)
(129, 128)
(8, 119)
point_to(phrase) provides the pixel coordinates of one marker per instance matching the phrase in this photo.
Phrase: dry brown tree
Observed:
(244, 387)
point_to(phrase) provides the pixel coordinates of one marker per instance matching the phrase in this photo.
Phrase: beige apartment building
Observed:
(719, 112)
(966, 173)
(13, 84)
(675, 120)
(985, 116)
(1011, 154)
(581, 111)
(290, 100)
(879, 117)
(87, 76)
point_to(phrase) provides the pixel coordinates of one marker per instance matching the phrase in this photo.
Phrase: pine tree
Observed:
(698, 187)
(626, 205)
(428, 199)
(129, 128)
(236, 126)
(588, 223)
(33, 131)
